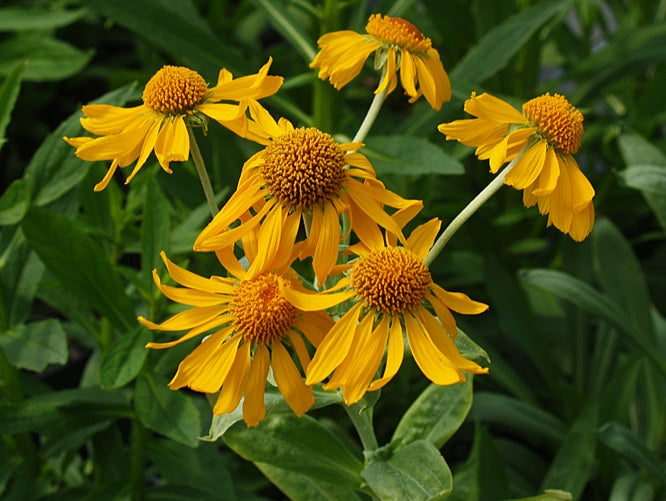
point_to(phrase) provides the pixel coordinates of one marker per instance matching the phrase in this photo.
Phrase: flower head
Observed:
(542, 141)
(392, 288)
(174, 99)
(253, 328)
(398, 46)
(303, 173)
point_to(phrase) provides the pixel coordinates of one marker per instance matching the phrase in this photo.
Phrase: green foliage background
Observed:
(576, 336)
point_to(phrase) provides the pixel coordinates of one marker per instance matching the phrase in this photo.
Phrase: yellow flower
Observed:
(546, 135)
(254, 327)
(174, 99)
(391, 287)
(303, 173)
(398, 45)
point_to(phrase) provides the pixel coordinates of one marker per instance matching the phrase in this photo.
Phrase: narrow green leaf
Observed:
(154, 229)
(530, 421)
(296, 444)
(417, 471)
(168, 412)
(54, 169)
(298, 487)
(78, 262)
(435, 415)
(291, 29)
(122, 362)
(13, 203)
(621, 275)
(469, 349)
(46, 58)
(572, 466)
(13, 19)
(9, 91)
(28, 416)
(548, 495)
(409, 156)
(498, 46)
(626, 443)
(35, 345)
(589, 299)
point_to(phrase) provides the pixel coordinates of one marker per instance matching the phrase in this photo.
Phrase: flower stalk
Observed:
(202, 172)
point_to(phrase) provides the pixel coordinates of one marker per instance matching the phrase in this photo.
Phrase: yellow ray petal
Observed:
(423, 237)
(348, 370)
(528, 167)
(310, 301)
(457, 301)
(299, 396)
(193, 281)
(547, 180)
(582, 223)
(199, 329)
(232, 388)
(326, 250)
(395, 353)
(192, 297)
(173, 143)
(186, 319)
(109, 174)
(254, 408)
(314, 325)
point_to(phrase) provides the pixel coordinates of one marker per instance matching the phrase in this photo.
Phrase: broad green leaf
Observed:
(35, 345)
(28, 416)
(54, 169)
(630, 486)
(12, 19)
(46, 58)
(123, 360)
(532, 422)
(299, 487)
(589, 299)
(469, 349)
(626, 443)
(290, 28)
(651, 181)
(416, 471)
(621, 275)
(13, 203)
(297, 444)
(435, 415)
(78, 262)
(154, 228)
(409, 156)
(636, 150)
(274, 402)
(9, 91)
(572, 466)
(497, 47)
(168, 412)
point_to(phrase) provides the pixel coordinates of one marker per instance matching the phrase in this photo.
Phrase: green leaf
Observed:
(621, 275)
(35, 345)
(435, 415)
(417, 471)
(498, 46)
(409, 156)
(651, 181)
(636, 150)
(626, 443)
(297, 444)
(12, 19)
(290, 28)
(469, 349)
(589, 299)
(13, 203)
(168, 412)
(298, 487)
(122, 362)
(572, 466)
(532, 422)
(78, 262)
(548, 495)
(46, 58)
(54, 169)
(9, 91)
(154, 228)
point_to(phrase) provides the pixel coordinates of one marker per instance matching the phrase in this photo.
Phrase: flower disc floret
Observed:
(557, 121)
(304, 168)
(392, 280)
(174, 90)
(260, 311)
(398, 31)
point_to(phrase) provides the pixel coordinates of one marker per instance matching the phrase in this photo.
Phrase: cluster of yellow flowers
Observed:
(304, 195)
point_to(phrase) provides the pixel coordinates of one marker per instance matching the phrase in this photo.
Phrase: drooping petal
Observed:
(459, 302)
(395, 353)
(528, 167)
(254, 408)
(232, 388)
(299, 396)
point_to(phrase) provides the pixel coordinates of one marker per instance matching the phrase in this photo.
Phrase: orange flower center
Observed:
(559, 123)
(397, 31)
(304, 167)
(392, 280)
(259, 311)
(174, 89)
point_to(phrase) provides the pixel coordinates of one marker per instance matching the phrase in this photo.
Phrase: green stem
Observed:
(467, 212)
(203, 174)
(370, 116)
(137, 460)
(361, 417)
